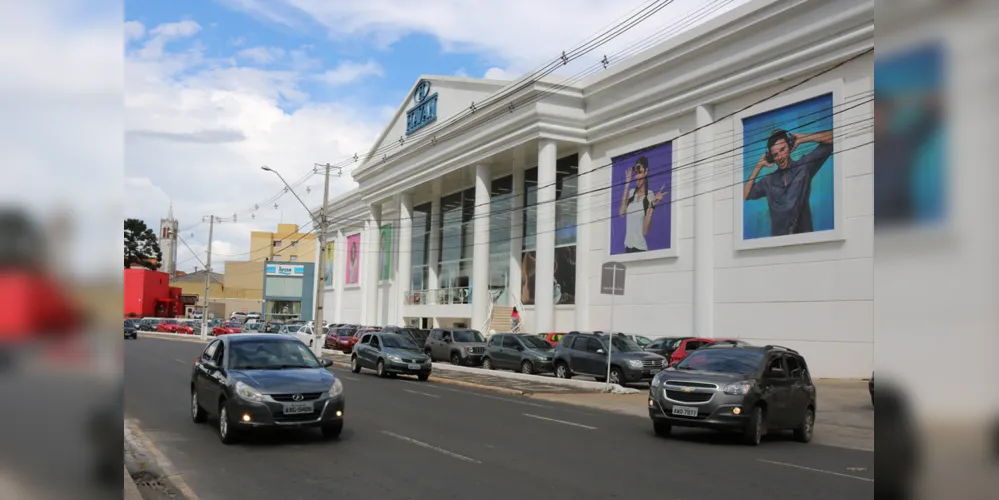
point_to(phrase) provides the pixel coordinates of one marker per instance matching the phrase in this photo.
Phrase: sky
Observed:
(214, 89)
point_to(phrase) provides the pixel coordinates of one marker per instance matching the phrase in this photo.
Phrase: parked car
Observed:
(459, 346)
(664, 346)
(551, 338)
(416, 335)
(257, 381)
(686, 346)
(253, 327)
(187, 327)
(131, 329)
(227, 328)
(751, 389)
(307, 335)
(342, 338)
(586, 354)
(168, 326)
(390, 354)
(641, 340)
(252, 316)
(523, 352)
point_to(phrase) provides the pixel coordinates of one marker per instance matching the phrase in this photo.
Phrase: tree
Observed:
(141, 246)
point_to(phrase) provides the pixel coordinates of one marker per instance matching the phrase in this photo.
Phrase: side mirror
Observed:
(210, 365)
(520, 348)
(601, 351)
(326, 362)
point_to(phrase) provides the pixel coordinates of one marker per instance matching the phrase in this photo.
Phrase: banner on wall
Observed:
(353, 259)
(385, 253)
(563, 282)
(284, 270)
(787, 169)
(641, 208)
(328, 258)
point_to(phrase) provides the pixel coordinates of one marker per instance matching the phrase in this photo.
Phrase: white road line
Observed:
(431, 447)
(561, 421)
(816, 470)
(350, 378)
(422, 393)
(494, 397)
(180, 361)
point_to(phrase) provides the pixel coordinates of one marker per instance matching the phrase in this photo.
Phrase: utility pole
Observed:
(208, 278)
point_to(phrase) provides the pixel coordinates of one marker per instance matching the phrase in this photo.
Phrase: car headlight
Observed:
(656, 381)
(394, 358)
(635, 363)
(248, 393)
(336, 389)
(738, 388)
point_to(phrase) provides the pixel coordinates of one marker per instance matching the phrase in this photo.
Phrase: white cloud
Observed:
(176, 30)
(134, 30)
(349, 72)
(499, 74)
(261, 55)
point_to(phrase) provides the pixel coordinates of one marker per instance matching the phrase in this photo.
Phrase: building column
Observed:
(339, 259)
(517, 231)
(584, 210)
(480, 248)
(704, 272)
(369, 262)
(544, 299)
(404, 272)
(433, 254)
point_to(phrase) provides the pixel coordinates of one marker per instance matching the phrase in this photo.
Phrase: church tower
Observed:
(168, 243)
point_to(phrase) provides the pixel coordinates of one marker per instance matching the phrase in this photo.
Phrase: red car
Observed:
(687, 346)
(168, 326)
(227, 328)
(551, 338)
(188, 327)
(342, 339)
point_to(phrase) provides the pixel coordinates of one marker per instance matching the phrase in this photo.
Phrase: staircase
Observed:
(500, 321)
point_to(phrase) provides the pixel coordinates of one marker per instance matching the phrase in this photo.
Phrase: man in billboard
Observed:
(788, 189)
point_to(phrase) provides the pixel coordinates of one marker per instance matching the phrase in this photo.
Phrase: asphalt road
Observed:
(410, 440)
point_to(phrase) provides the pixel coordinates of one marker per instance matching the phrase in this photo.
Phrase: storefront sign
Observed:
(284, 270)
(425, 111)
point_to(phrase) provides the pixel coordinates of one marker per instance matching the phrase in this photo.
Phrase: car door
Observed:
(215, 380)
(509, 353)
(373, 350)
(801, 390)
(361, 350)
(776, 390)
(494, 349)
(202, 371)
(442, 346)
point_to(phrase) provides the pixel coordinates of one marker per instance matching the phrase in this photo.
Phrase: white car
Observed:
(305, 334)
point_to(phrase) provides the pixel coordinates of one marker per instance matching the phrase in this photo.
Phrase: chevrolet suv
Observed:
(586, 354)
(753, 390)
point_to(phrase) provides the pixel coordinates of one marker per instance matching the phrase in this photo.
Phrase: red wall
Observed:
(141, 289)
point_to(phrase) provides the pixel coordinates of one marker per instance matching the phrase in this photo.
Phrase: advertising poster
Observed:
(563, 282)
(385, 253)
(641, 200)
(328, 258)
(353, 259)
(787, 166)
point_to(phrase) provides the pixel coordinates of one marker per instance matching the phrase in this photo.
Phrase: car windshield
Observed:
(131, 322)
(624, 344)
(271, 355)
(192, 324)
(642, 341)
(345, 332)
(293, 328)
(398, 342)
(742, 361)
(468, 336)
(533, 342)
(231, 324)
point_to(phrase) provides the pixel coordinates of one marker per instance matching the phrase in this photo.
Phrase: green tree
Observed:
(141, 246)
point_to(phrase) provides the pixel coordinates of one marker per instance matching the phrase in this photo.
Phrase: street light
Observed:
(317, 318)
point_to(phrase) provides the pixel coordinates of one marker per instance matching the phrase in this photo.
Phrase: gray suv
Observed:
(586, 354)
(522, 352)
(459, 346)
(749, 389)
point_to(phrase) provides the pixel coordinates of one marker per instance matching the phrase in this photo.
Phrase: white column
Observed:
(704, 271)
(583, 244)
(369, 262)
(339, 260)
(404, 273)
(433, 254)
(517, 230)
(544, 303)
(480, 248)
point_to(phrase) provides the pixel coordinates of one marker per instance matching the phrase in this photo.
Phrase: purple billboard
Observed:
(641, 200)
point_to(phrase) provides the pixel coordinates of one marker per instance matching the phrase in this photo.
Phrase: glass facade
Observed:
(420, 271)
(456, 240)
(564, 281)
(501, 213)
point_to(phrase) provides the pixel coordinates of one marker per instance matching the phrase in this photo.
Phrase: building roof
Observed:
(198, 276)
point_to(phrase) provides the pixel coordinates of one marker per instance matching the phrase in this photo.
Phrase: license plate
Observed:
(413, 366)
(685, 411)
(298, 408)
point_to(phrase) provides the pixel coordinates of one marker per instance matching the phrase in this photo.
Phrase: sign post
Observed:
(611, 283)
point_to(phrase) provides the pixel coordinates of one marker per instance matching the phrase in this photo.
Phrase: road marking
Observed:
(350, 378)
(180, 361)
(488, 396)
(561, 421)
(431, 447)
(816, 470)
(422, 393)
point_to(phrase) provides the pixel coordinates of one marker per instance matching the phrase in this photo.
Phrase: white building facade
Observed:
(729, 169)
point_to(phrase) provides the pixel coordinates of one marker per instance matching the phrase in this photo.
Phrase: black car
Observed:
(390, 354)
(522, 352)
(664, 346)
(258, 380)
(131, 328)
(749, 389)
(586, 354)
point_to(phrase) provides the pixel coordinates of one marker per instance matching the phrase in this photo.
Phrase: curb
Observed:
(131, 490)
(461, 383)
(138, 440)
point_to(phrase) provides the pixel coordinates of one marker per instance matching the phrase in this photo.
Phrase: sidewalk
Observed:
(131, 490)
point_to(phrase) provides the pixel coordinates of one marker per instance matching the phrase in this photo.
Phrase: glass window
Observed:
(793, 367)
(468, 336)
(593, 345)
(496, 340)
(742, 361)
(210, 350)
(533, 342)
(509, 342)
(272, 355)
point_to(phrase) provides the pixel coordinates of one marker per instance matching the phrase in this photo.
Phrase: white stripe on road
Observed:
(431, 447)
(349, 378)
(816, 470)
(561, 421)
(487, 396)
(422, 393)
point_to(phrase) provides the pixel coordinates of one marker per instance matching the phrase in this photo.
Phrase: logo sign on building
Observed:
(425, 110)
(284, 270)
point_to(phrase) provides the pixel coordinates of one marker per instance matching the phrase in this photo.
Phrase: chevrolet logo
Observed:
(687, 390)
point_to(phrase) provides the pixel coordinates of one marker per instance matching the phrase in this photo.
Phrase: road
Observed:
(410, 440)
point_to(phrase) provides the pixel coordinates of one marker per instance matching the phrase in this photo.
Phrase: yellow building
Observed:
(285, 245)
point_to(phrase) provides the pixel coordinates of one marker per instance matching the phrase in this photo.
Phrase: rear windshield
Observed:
(534, 342)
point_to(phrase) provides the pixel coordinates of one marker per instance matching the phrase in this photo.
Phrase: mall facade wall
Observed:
(672, 162)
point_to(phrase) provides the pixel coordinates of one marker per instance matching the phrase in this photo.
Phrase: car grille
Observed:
(287, 398)
(684, 383)
(297, 418)
(477, 350)
(651, 363)
(689, 397)
(409, 360)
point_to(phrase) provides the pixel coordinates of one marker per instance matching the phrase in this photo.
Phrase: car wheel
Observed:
(754, 428)
(487, 364)
(455, 359)
(527, 368)
(562, 371)
(662, 429)
(423, 377)
(803, 434)
(198, 413)
(616, 377)
(227, 433)
(332, 431)
(380, 368)
(355, 365)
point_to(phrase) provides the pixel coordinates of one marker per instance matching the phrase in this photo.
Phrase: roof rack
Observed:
(788, 349)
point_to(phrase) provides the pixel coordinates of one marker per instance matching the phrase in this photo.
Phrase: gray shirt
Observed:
(788, 191)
